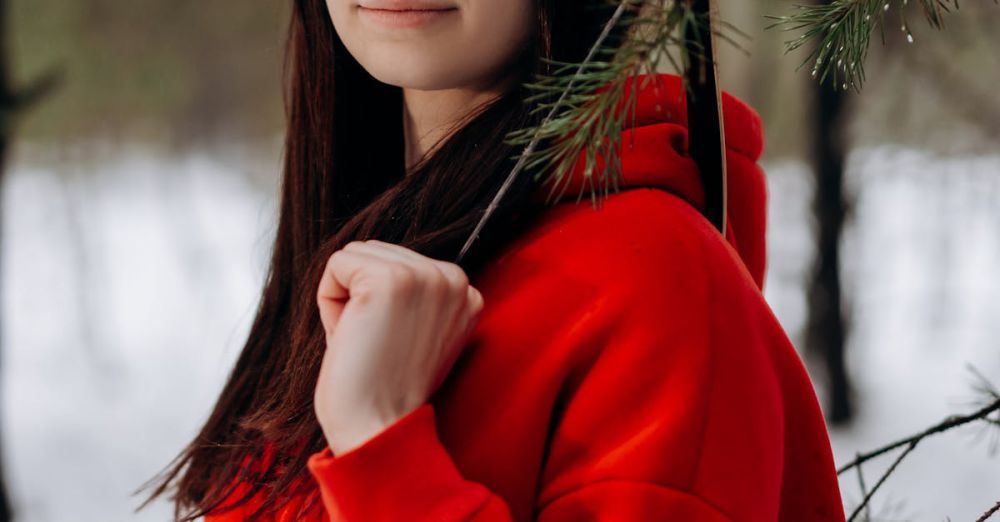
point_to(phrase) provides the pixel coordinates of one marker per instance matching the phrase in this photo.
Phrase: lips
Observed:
(405, 14)
(406, 5)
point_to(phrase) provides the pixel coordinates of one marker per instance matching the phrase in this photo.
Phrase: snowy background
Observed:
(129, 283)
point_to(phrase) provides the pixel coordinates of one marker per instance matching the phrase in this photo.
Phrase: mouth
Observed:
(404, 13)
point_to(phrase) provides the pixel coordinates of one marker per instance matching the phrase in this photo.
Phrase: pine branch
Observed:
(593, 120)
(842, 31)
(587, 103)
(494, 203)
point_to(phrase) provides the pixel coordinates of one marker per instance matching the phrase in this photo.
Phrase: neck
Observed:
(431, 116)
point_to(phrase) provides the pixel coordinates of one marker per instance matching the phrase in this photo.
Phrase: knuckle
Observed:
(451, 284)
(401, 278)
(454, 277)
(435, 283)
(477, 300)
(364, 294)
(340, 253)
(456, 274)
(333, 260)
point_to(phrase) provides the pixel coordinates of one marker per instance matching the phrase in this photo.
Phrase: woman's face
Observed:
(433, 44)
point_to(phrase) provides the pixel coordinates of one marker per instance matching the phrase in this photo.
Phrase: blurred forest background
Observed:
(139, 203)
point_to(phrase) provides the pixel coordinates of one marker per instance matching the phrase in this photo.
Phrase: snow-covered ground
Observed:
(128, 288)
(129, 284)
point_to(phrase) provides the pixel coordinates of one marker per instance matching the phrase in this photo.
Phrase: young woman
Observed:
(610, 363)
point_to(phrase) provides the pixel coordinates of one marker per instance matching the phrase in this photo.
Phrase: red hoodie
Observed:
(625, 367)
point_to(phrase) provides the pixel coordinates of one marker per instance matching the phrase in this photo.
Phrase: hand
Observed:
(395, 323)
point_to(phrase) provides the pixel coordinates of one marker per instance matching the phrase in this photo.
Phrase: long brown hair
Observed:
(344, 179)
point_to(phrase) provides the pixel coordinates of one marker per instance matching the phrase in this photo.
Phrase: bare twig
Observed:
(990, 512)
(864, 489)
(881, 480)
(949, 423)
(990, 397)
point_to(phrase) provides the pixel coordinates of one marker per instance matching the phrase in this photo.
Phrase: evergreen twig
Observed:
(592, 123)
(586, 103)
(494, 203)
(842, 31)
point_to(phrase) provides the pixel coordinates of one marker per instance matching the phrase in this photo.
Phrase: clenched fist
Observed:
(395, 323)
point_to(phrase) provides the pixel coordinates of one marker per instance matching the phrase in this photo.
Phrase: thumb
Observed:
(332, 293)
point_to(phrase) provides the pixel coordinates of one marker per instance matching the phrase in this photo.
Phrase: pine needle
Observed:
(587, 103)
(842, 29)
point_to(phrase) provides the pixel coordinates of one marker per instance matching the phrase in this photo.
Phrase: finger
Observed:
(379, 250)
(454, 273)
(475, 299)
(330, 286)
(408, 253)
(419, 265)
(335, 283)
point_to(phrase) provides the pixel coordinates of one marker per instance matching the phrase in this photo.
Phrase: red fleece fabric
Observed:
(626, 367)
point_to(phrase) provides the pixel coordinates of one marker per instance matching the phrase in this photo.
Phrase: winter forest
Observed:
(140, 145)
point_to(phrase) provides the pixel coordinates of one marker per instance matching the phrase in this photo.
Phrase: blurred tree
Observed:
(7, 106)
(826, 327)
(841, 30)
(11, 103)
(175, 73)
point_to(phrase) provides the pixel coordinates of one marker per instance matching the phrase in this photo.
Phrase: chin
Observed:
(408, 79)
(410, 72)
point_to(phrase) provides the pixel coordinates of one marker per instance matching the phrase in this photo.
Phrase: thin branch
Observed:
(990, 512)
(864, 490)
(882, 479)
(947, 424)
(988, 394)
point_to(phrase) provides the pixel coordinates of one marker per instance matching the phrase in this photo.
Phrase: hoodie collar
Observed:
(654, 153)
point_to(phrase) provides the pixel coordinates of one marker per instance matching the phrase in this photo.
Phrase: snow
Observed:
(129, 282)
(127, 290)
(920, 259)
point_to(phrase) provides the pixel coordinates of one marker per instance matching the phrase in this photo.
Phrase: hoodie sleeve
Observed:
(402, 473)
(668, 409)
(405, 473)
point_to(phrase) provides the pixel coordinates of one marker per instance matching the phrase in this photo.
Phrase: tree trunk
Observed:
(826, 330)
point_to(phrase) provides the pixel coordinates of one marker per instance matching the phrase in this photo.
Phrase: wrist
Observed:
(362, 427)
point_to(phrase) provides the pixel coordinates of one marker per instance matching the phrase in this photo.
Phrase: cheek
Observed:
(499, 29)
(341, 18)
(345, 20)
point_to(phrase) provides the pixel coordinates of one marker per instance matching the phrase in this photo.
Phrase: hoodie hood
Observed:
(654, 153)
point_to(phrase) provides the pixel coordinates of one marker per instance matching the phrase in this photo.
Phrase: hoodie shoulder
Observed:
(634, 237)
(643, 247)
(644, 303)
